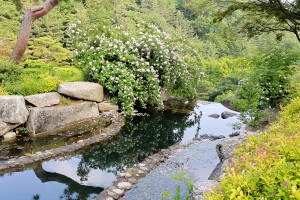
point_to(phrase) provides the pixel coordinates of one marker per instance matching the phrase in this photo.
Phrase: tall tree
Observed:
(30, 16)
(259, 16)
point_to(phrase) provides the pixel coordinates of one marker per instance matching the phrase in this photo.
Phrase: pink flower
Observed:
(241, 159)
(286, 183)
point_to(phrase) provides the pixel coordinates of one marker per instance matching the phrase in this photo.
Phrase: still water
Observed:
(85, 173)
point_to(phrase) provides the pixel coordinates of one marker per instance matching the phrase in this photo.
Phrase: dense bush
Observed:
(266, 166)
(267, 86)
(9, 72)
(134, 66)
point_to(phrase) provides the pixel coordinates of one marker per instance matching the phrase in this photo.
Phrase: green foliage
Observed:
(134, 65)
(265, 166)
(39, 77)
(224, 95)
(22, 130)
(33, 84)
(261, 16)
(64, 101)
(267, 85)
(49, 50)
(180, 176)
(9, 72)
(2, 91)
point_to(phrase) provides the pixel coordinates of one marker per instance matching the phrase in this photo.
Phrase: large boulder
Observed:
(13, 109)
(44, 100)
(50, 118)
(82, 90)
(226, 146)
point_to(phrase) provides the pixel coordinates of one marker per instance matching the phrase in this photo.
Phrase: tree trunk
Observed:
(30, 16)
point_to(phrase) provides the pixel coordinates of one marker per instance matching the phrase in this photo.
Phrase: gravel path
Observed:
(198, 160)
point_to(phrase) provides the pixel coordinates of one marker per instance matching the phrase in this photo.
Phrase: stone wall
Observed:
(41, 113)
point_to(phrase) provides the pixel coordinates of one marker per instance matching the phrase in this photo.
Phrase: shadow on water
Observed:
(84, 174)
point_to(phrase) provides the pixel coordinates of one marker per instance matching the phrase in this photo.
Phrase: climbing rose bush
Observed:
(135, 65)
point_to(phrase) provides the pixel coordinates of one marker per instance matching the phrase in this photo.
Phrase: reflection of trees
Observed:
(74, 189)
(141, 137)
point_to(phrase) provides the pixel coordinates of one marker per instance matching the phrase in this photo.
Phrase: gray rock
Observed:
(226, 146)
(200, 187)
(47, 119)
(124, 185)
(227, 114)
(118, 191)
(105, 106)
(226, 102)
(216, 116)
(82, 90)
(13, 110)
(219, 170)
(246, 130)
(6, 127)
(44, 100)
(10, 135)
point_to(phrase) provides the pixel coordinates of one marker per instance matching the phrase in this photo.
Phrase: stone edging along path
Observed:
(117, 122)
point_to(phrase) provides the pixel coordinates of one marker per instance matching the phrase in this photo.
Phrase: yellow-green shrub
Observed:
(2, 91)
(266, 166)
(39, 77)
(31, 84)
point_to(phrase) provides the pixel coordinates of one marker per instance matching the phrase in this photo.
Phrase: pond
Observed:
(85, 173)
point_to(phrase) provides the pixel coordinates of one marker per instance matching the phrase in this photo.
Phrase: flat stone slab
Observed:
(105, 106)
(47, 119)
(44, 100)
(82, 90)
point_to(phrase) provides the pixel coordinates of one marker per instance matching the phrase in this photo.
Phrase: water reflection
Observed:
(83, 174)
(141, 137)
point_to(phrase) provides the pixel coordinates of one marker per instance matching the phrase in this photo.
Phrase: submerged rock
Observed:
(227, 114)
(216, 116)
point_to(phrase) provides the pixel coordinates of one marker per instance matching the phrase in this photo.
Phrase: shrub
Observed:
(266, 166)
(32, 84)
(267, 86)
(9, 72)
(134, 66)
(39, 77)
(224, 95)
(2, 91)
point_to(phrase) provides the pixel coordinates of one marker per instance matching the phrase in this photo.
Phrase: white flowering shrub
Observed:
(135, 65)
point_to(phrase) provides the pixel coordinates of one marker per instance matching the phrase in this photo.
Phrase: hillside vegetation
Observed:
(216, 55)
